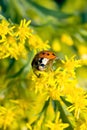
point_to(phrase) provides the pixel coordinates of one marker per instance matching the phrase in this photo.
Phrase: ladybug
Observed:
(43, 59)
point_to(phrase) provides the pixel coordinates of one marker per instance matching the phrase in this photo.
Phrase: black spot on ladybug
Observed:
(40, 60)
(48, 54)
(43, 53)
(53, 54)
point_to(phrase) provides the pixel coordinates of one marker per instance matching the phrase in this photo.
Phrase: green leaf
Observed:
(2, 17)
(50, 12)
(25, 69)
(58, 107)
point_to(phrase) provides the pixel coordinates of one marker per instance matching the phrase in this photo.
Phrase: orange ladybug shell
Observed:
(46, 54)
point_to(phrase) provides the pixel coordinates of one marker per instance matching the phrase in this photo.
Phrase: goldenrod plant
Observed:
(55, 98)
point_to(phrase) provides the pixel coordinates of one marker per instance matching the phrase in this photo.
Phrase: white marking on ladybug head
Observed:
(45, 60)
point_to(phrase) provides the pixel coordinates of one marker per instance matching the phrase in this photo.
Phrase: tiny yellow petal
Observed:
(65, 38)
(56, 45)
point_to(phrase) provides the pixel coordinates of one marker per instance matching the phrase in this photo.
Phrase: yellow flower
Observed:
(9, 44)
(54, 94)
(83, 53)
(14, 40)
(50, 114)
(38, 83)
(28, 126)
(38, 124)
(36, 43)
(23, 31)
(45, 83)
(55, 83)
(82, 49)
(23, 104)
(5, 28)
(71, 64)
(3, 52)
(11, 48)
(83, 126)
(78, 98)
(56, 45)
(57, 124)
(7, 116)
(84, 59)
(67, 39)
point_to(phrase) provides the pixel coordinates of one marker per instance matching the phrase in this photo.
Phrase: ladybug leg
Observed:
(37, 73)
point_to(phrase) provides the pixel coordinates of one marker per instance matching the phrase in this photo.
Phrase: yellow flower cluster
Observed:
(60, 84)
(50, 96)
(16, 40)
(54, 82)
(57, 125)
(7, 116)
(67, 39)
